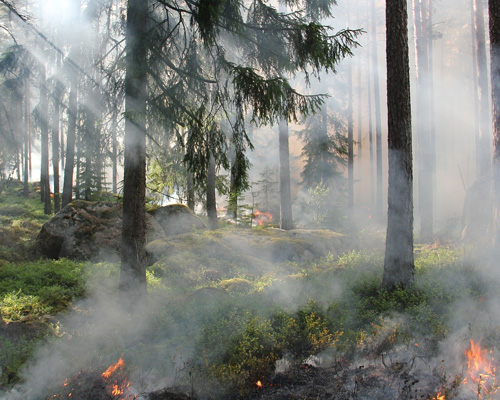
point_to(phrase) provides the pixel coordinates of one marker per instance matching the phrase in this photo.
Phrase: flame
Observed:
(439, 396)
(118, 388)
(112, 368)
(258, 384)
(262, 218)
(480, 370)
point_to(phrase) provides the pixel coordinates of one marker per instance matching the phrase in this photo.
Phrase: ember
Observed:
(258, 384)
(481, 370)
(262, 218)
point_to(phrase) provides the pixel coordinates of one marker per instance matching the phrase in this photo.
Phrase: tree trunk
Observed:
(399, 264)
(494, 13)
(114, 154)
(69, 164)
(483, 153)
(27, 113)
(378, 119)
(190, 192)
(372, 168)
(133, 255)
(350, 143)
(55, 145)
(475, 86)
(44, 144)
(232, 208)
(424, 142)
(286, 220)
(211, 199)
(360, 119)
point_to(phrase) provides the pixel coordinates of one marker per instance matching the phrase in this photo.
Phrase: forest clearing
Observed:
(249, 199)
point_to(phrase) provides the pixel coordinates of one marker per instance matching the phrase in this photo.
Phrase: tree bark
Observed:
(133, 255)
(350, 143)
(190, 192)
(69, 164)
(399, 263)
(55, 144)
(424, 142)
(232, 208)
(114, 155)
(371, 148)
(483, 153)
(211, 199)
(44, 144)
(494, 13)
(27, 113)
(378, 119)
(286, 220)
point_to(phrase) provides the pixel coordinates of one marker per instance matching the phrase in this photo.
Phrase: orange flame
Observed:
(439, 396)
(117, 388)
(258, 384)
(112, 368)
(480, 369)
(262, 218)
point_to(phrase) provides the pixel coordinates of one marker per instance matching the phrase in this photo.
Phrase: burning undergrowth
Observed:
(112, 384)
(197, 338)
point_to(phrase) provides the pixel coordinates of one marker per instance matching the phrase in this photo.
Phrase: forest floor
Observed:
(229, 317)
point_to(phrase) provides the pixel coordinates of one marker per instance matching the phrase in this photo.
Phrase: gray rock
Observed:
(176, 219)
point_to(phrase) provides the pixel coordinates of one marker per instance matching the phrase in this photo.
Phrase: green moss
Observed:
(36, 288)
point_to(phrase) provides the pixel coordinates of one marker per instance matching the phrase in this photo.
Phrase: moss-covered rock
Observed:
(176, 219)
(86, 230)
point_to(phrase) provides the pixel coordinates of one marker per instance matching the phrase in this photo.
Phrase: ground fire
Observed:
(481, 371)
(262, 218)
(112, 384)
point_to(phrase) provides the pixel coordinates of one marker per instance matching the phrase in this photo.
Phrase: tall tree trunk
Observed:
(475, 86)
(286, 220)
(114, 151)
(90, 150)
(378, 118)
(232, 208)
(190, 192)
(399, 263)
(350, 143)
(44, 145)
(323, 140)
(27, 114)
(372, 168)
(424, 142)
(494, 13)
(483, 153)
(133, 255)
(432, 97)
(211, 199)
(69, 164)
(55, 144)
(360, 118)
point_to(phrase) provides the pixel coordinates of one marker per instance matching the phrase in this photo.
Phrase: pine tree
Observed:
(398, 264)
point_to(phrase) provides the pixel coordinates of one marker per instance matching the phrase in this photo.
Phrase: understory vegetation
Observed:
(226, 321)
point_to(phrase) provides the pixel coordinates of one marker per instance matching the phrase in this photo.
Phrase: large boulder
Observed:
(176, 219)
(85, 230)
